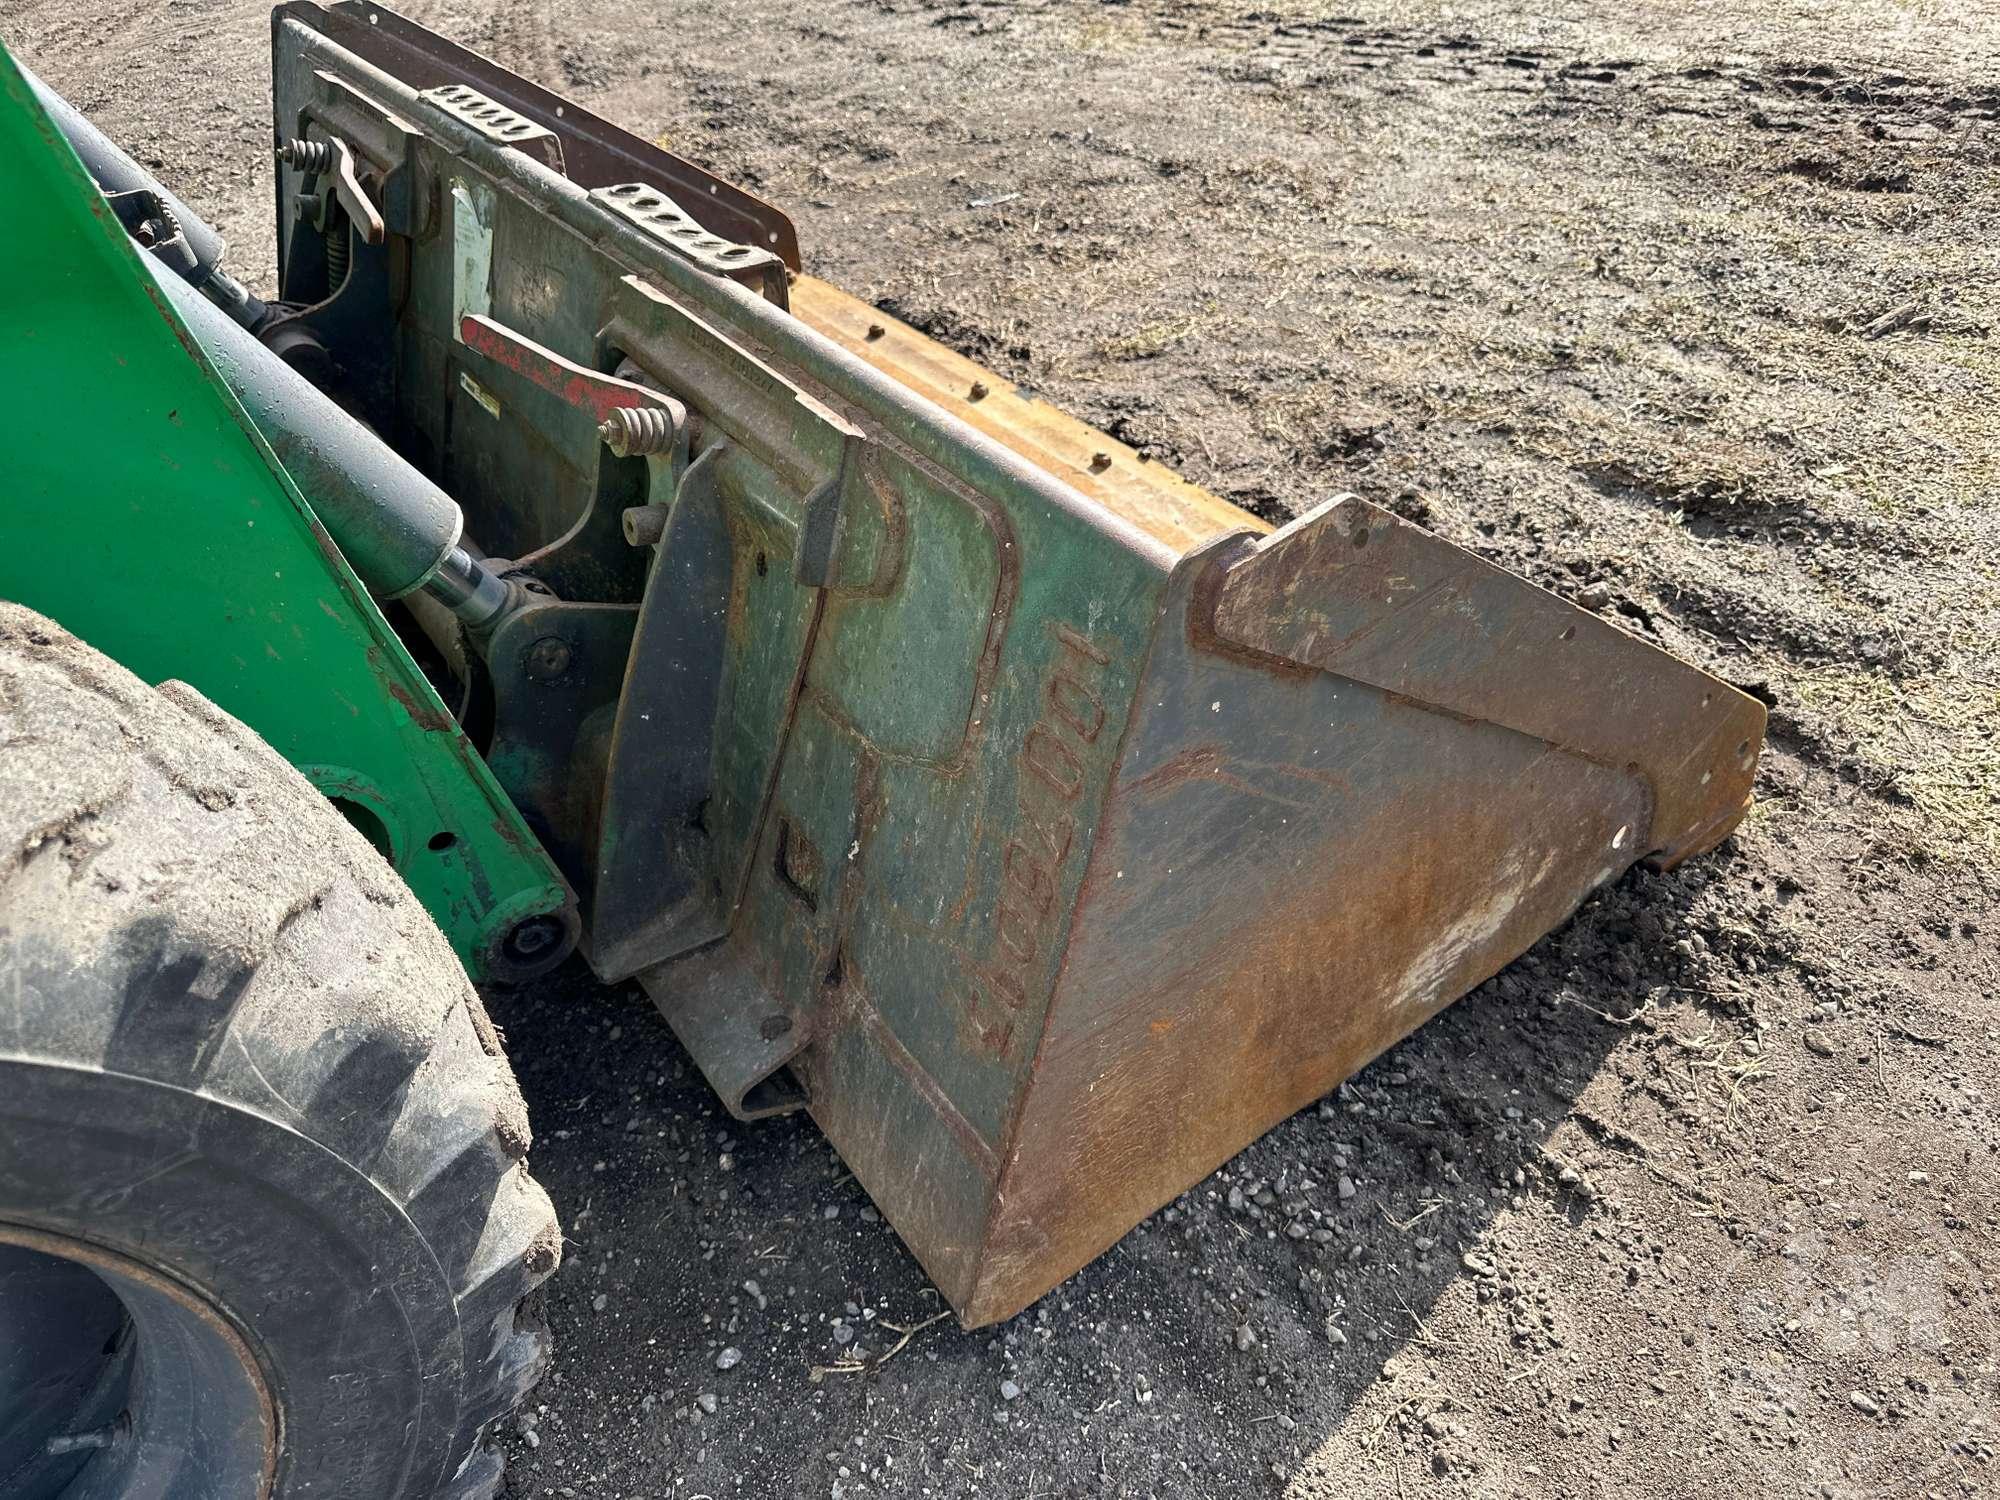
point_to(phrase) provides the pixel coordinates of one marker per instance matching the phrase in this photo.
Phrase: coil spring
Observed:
(633, 430)
(313, 158)
(309, 157)
(336, 252)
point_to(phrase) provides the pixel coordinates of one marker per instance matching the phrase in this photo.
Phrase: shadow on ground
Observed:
(1270, 1296)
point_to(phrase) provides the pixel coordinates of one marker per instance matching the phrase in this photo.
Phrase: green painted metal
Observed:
(145, 513)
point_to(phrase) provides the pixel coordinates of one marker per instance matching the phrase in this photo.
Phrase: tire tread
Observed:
(258, 948)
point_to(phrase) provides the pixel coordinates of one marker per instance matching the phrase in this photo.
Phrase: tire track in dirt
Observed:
(61, 32)
(178, 41)
(1261, 48)
(1886, 144)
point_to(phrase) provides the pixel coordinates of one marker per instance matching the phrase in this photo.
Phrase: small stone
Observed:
(599, 1302)
(1237, 1202)
(831, 1211)
(1345, 1187)
(1010, 1390)
(1861, 1403)
(1478, 1265)
(708, 1401)
(1597, 596)
(532, 1438)
(729, 1358)
(1920, 1178)
(725, 1162)
(1245, 1338)
(842, 1334)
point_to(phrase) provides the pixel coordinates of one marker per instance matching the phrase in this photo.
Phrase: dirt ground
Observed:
(1684, 310)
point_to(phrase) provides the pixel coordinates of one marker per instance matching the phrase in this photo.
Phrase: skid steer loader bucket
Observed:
(1045, 826)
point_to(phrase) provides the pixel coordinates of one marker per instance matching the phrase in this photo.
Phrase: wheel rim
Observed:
(117, 1382)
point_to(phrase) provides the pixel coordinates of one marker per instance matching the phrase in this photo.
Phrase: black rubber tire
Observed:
(235, 1050)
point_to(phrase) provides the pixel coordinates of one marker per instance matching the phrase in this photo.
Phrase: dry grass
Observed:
(1150, 339)
(1936, 739)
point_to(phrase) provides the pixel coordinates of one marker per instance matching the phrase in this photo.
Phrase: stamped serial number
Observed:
(1050, 768)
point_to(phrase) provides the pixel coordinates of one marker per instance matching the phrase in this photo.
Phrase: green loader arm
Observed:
(148, 515)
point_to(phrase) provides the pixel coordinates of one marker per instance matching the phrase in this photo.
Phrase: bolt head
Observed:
(548, 658)
(533, 936)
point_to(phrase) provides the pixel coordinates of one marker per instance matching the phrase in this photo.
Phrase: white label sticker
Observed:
(472, 259)
(480, 394)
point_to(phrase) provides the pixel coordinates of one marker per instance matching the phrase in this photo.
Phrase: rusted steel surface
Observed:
(1356, 591)
(1296, 869)
(1045, 826)
(1147, 494)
